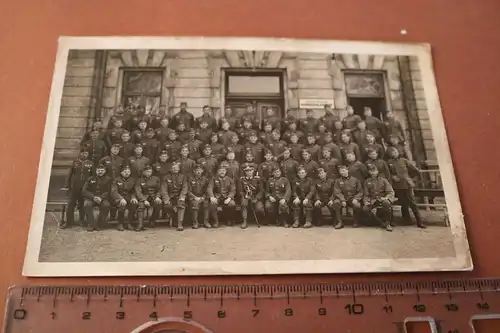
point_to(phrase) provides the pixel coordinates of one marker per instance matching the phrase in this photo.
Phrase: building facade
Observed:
(99, 81)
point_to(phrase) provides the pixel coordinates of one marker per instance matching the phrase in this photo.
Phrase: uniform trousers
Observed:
(376, 208)
(75, 199)
(356, 208)
(103, 212)
(228, 209)
(406, 199)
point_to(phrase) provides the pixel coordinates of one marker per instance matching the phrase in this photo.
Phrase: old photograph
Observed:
(219, 156)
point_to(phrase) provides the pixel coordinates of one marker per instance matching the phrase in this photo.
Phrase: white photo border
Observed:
(461, 262)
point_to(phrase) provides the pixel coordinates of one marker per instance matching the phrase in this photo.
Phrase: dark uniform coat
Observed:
(137, 165)
(278, 188)
(176, 186)
(222, 187)
(324, 190)
(197, 187)
(358, 170)
(350, 122)
(80, 171)
(209, 164)
(257, 150)
(376, 189)
(173, 148)
(382, 167)
(149, 189)
(184, 117)
(97, 187)
(113, 165)
(123, 188)
(346, 189)
(161, 169)
(401, 171)
(303, 188)
(330, 166)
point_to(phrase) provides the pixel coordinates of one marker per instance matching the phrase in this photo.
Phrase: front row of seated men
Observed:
(264, 200)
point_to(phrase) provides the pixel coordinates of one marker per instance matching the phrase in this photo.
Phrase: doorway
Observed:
(377, 104)
(260, 105)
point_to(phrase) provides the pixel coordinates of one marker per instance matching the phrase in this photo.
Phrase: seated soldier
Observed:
(278, 193)
(197, 194)
(378, 197)
(302, 198)
(150, 193)
(175, 194)
(251, 191)
(347, 192)
(123, 195)
(96, 192)
(221, 191)
(324, 194)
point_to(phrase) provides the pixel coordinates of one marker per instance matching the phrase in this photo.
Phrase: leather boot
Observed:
(388, 226)
(121, 220)
(308, 223)
(244, 225)
(194, 217)
(338, 217)
(180, 219)
(140, 221)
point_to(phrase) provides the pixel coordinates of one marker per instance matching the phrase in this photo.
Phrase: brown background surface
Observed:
(465, 41)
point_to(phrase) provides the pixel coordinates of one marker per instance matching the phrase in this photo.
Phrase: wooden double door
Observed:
(261, 106)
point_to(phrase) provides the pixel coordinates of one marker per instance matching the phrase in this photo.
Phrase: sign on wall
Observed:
(308, 103)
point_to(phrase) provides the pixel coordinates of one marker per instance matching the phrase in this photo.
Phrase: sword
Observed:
(250, 203)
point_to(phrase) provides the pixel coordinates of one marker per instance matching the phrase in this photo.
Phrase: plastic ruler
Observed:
(455, 306)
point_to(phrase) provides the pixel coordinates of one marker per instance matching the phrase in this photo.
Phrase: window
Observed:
(142, 87)
(254, 85)
(364, 85)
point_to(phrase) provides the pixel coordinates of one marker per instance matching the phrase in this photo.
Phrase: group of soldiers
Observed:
(276, 169)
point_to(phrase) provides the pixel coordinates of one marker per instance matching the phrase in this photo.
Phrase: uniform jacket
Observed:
(78, 174)
(346, 189)
(273, 120)
(308, 125)
(328, 120)
(350, 122)
(278, 188)
(243, 165)
(176, 186)
(330, 166)
(401, 171)
(103, 135)
(224, 187)
(194, 148)
(97, 150)
(393, 126)
(97, 187)
(123, 188)
(288, 120)
(137, 164)
(372, 146)
(234, 123)
(253, 188)
(238, 151)
(303, 188)
(336, 136)
(314, 149)
(382, 167)
(209, 164)
(161, 169)
(151, 148)
(244, 134)
(225, 137)
(320, 138)
(204, 135)
(184, 117)
(252, 116)
(183, 136)
(335, 149)
(257, 150)
(149, 187)
(155, 120)
(218, 151)
(401, 149)
(138, 136)
(197, 187)
(162, 133)
(286, 136)
(289, 168)
(352, 147)
(358, 170)
(376, 189)
(266, 138)
(126, 150)
(324, 190)
(277, 147)
(173, 148)
(266, 169)
(113, 165)
(211, 121)
(311, 167)
(187, 166)
(296, 151)
(359, 137)
(375, 125)
(233, 169)
(114, 135)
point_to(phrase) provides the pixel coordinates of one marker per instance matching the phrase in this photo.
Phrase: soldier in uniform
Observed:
(219, 151)
(163, 166)
(194, 145)
(255, 147)
(185, 162)
(157, 118)
(292, 129)
(394, 127)
(172, 146)
(249, 162)
(236, 148)
(372, 145)
(163, 130)
(225, 134)
(231, 165)
(272, 118)
(114, 134)
(359, 136)
(197, 194)
(251, 115)
(378, 196)
(337, 131)
(278, 193)
(126, 147)
(123, 196)
(113, 161)
(96, 126)
(138, 161)
(80, 171)
(207, 116)
(245, 131)
(251, 191)
(221, 191)
(266, 168)
(402, 171)
(139, 135)
(183, 116)
(289, 119)
(396, 143)
(329, 118)
(320, 134)
(309, 124)
(373, 124)
(350, 122)
(357, 169)
(176, 188)
(329, 163)
(296, 148)
(96, 148)
(309, 164)
(183, 133)
(347, 145)
(302, 198)
(151, 145)
(334, 148)
(347, 192)
(208, 162)
(383, 168)
(96, 192)
(150, 192)
(324, 193)
(204, 133)
(266, 134)
(234, 121)
(288, 165)
(312, 146)
(276, 146)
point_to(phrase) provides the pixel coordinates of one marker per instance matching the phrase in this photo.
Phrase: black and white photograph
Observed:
(238, 156)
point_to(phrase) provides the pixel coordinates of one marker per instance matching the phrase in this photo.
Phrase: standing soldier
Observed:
(185, 162)
(96, 126)
(309, 164)
(163, 166)
(194, 145)
(204, 133)
(347, 145)
(151, 145)
(149, 192)
(378, 195)
(123, 195)
(245, 131)
(266, 134)
(219, 151)
(221, 191)
(373, 124)
(197, 194)
(395, 142)
(292, 129)
(288, 165)
(251, 115)
(312, 147)
(278, 194)
(231, 165)
(309, 124)
(251, 191)
(329, 118)
(207, 116)
(236, 148)
(289, 119)
(372, 145)
(347, 192)
(296, 148)
(159, 117)
(114, 134)
(176, 188)
(338, 128)
(329, 163)
(383, 168)
(324, 193)
(225, 134)
(208, 162)
(96, 148)
(96, 192)
(182, 133)
(334, 148)
(139, 135)
(402, 171)
(320, 134)
(79, 173)
(234, 121)
(272, 118)
(266, 168)
(183, 116)
(172, 146)
(359, 136)
(357, 169)
(276, 146)
(255, 147)
(138, 161)
(126, 147)
(249, 162)
(113, 162)
(392, 126)
(350, 122)
(303, 196)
